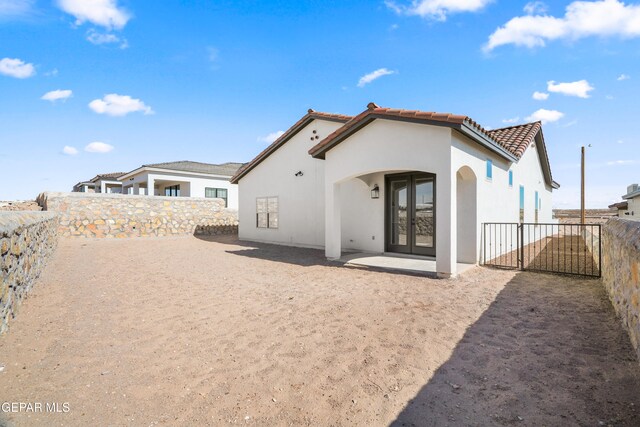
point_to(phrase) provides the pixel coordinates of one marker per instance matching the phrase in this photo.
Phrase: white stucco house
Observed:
(390, 180)
(184, 179)
(101, 183)
(630, 207)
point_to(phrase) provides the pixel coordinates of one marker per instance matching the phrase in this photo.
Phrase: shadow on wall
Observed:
(548, 351)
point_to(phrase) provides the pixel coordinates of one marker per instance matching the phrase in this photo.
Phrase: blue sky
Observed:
(211, 81)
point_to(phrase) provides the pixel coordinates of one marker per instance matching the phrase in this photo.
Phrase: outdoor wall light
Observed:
(375, 192)
(299, 173)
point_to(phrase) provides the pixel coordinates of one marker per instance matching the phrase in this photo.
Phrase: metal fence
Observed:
(553, 248)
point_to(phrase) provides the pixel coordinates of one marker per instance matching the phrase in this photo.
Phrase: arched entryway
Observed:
(467, 215)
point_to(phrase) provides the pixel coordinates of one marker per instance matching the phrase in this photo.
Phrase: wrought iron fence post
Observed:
(484, 252)
(521, 246)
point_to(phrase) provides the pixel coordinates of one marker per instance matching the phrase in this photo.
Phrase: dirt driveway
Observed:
(183, 331)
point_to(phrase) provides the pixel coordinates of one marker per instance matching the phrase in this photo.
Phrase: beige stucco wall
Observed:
(384, 147)
(331, 207)
(301, 198)
(633, 209)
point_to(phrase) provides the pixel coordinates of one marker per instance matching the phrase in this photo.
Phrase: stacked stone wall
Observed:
(121, 215)
(621, 272)
(27, 240)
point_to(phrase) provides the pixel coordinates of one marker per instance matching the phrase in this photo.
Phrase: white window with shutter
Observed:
(267, 212)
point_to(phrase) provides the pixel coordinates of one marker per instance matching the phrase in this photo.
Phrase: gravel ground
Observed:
(187, 331)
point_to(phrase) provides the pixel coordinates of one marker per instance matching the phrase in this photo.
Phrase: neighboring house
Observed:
(184, 179)
(630, 208)
(101, 183)
(84, 187)
(108, 182)
(393, 180)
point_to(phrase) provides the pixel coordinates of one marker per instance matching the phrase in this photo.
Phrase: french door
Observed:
(411, 213)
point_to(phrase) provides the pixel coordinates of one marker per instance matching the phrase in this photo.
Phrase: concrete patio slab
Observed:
(398, 262)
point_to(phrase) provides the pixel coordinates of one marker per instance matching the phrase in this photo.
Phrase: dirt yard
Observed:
(184, 331)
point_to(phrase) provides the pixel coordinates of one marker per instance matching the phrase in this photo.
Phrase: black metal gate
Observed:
(552, 248)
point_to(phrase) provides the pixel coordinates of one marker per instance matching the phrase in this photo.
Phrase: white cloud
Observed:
(119, 105)
(437, 9)
(14, 67)
(56, 95)
(271, 137)
(603, 18)
(70, 151)
(104, 13)
(511, 121)
(622, 162)
(622, 77)
(581, 88)
(98, 147)
(368, 78)
(535, 8)
(15, 8)
(540, 96)
(545, 116)
(106, 38)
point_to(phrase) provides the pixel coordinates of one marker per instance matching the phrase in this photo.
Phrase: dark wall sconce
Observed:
(299, 173)
(375, 192)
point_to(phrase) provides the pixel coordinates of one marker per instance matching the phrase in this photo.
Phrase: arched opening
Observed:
(467, 215)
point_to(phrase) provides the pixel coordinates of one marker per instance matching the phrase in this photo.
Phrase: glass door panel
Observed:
(423, 217)
(399, 206)
(410, 213)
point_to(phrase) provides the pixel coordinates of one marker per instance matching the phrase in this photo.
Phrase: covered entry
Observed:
(410, 213)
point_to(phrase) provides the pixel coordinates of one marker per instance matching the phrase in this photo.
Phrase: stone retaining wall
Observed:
(27, 240)
(122, 215)
(621, 272)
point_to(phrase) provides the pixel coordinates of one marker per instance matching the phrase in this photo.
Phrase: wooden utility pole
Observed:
(582, 213)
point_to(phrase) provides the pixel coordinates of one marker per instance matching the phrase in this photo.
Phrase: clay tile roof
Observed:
(373, 111)
(512, 140)
(293, 130)
(516, 139)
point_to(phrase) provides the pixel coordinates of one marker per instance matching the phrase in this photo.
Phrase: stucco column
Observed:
(151, 186)
(103, 187)
(332, 229)
(446, 225)
(136, 189)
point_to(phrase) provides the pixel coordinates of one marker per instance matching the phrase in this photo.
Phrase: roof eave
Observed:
(464, 128)
(293, 131)
(133, 172)
(290, 133)
(473, 133)
(174, 171)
